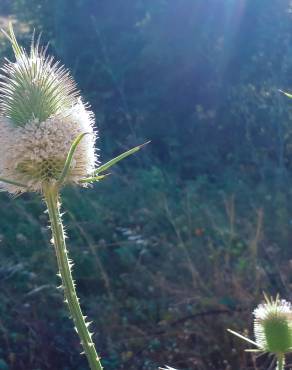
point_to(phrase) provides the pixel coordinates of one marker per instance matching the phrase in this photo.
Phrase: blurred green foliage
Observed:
(179, 243)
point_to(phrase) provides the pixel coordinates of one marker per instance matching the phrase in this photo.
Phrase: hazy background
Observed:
(179, 243)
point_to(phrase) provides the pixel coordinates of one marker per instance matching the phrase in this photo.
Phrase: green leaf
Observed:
(69, 158)
(93, 179)
(113, 161)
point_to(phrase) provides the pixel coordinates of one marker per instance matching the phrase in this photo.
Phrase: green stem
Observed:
(280, 361)
(51, 194)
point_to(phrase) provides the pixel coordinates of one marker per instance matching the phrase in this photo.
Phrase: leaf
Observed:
(93, 179)
(115, 160)
(69, 158)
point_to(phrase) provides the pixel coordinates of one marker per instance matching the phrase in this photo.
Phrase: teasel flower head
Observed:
(41, 114)
(273, 326)
(272, 329)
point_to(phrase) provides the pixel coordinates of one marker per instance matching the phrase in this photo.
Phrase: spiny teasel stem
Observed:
(280, 361)
(51, 194)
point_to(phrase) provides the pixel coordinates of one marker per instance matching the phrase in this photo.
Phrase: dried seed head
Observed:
(41, 114)
(273, 326)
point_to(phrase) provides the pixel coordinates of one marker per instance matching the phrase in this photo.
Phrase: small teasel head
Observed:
(273, 326)
(41, 114)
(272, 329)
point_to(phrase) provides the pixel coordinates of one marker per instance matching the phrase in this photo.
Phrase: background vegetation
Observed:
(181, 241)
